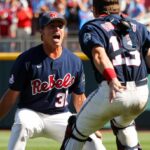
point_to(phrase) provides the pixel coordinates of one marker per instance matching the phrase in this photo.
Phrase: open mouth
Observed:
(57, 37)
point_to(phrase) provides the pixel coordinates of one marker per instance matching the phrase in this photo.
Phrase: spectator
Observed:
(49, 4)
(4, 4)
(60, 6)
(5, 21)
(85, 13)
(24, 15)
(38, 6)
(127, 6)
(139, 9)
(72, 15)
(13, 6)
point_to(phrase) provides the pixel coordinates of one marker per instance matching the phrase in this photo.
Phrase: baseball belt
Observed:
(138, 83)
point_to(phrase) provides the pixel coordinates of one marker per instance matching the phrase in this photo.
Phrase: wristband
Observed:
(109, 74)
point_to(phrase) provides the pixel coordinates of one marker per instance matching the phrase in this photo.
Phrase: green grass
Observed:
(48, 144)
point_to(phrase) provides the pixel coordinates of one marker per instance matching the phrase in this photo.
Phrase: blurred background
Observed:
(19, 30)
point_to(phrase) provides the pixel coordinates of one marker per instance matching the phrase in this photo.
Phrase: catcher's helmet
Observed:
(106, 6)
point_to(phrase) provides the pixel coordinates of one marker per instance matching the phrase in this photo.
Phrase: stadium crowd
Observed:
(19, 18)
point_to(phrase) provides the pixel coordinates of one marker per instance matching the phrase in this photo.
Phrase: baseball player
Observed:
(43, 78)
(118, 48)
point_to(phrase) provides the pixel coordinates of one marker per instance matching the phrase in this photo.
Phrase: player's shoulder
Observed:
(137, 26)
(134, 21)
(30, 53)
(94, 25)
(90, 23)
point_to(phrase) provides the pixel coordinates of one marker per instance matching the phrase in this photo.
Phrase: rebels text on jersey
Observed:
(130, 65)
(46, 84)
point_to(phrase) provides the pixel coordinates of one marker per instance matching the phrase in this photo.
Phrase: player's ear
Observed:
(94, 11)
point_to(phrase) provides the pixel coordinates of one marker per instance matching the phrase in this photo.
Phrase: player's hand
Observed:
(98, 134)
(115, 86)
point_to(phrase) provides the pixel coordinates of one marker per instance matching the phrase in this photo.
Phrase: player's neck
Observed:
(53, 53)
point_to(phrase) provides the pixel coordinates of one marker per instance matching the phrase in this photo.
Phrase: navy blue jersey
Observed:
(44, 83)
(129, 65)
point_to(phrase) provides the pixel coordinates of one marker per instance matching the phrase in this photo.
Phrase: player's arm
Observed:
(105, 67)
(148, 58)
(7, 101)
(78, 100)
(101, 59)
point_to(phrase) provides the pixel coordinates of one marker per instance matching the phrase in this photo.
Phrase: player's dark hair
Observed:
(106, 6)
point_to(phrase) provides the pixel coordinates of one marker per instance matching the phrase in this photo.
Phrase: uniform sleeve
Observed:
(146, 39)
(79, 84)
(146, 44)
(89, 37)
(18, 75)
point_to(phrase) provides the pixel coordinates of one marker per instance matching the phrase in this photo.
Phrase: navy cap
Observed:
(49, 17)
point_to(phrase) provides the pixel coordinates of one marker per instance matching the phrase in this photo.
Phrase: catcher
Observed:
(119, 50)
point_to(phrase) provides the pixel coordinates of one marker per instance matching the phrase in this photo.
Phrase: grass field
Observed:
(46, 144)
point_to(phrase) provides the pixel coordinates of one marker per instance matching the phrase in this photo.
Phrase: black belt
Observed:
(137, 83)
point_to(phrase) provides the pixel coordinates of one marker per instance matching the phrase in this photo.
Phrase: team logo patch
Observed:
(108, 26)
(53, 14)
(87, 37)
(11, 79)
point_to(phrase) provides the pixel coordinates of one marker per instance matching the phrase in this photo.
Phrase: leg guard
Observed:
(94, 144)
(69, 133)
(126, 138)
